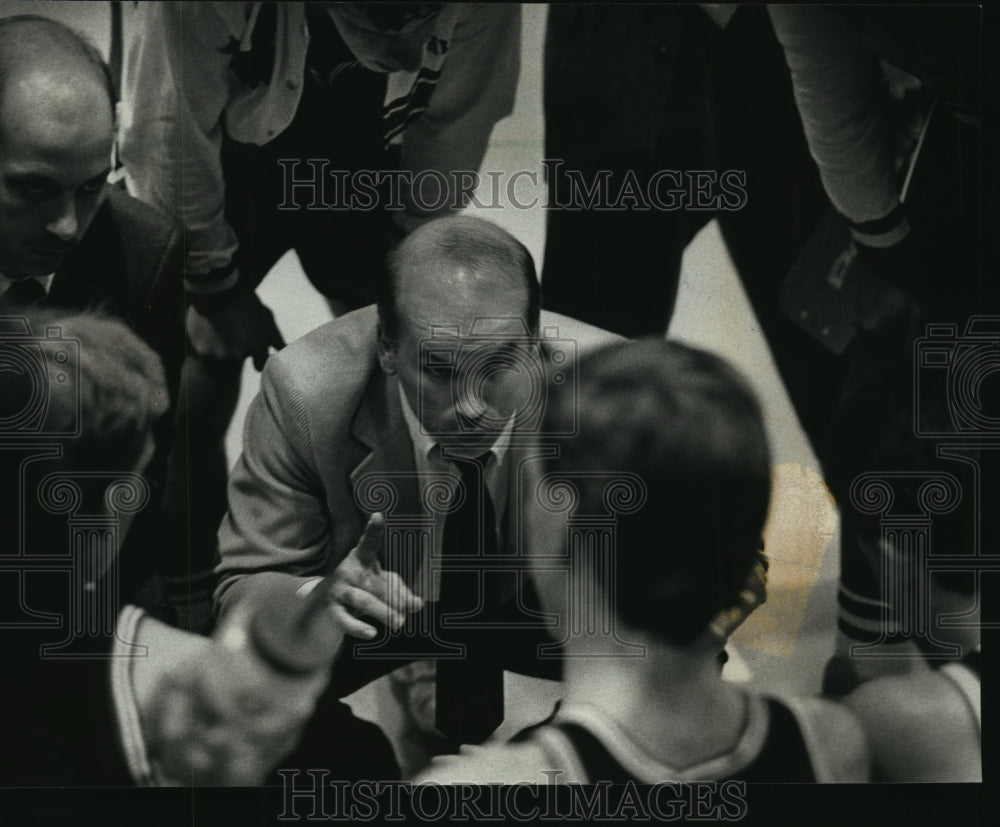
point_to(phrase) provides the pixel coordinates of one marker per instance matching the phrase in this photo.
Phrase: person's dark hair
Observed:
(472, 243)
(687, 425)
(101, 396)
(23, 35)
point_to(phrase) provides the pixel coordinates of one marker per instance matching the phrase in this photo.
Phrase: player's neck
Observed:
(672, 701)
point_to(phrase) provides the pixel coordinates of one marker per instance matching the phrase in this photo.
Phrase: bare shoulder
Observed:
(914, 700)
(919, 728)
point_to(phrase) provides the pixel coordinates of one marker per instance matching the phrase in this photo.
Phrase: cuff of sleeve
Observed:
(887, 231)
(307, 587)
(123, 696)
(204, 286)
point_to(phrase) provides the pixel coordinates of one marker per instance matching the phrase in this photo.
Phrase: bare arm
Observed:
(918, 728)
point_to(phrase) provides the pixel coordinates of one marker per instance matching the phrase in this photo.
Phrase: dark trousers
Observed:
(624, 94)
(644, 87)
(337, 130)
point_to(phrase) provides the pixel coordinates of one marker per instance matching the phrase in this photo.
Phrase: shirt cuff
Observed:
(308, 586)
(884, 232)
(123, 697)
(219, 280)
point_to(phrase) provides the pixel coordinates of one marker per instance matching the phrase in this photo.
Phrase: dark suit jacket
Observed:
(130, 263)
(59, 724)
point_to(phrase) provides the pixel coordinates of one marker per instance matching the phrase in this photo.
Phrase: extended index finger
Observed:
(372, 541)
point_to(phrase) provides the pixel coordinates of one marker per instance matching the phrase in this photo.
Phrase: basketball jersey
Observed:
(777, 745)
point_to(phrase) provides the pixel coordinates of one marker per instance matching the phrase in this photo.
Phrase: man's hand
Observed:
(212, 711)
(221, 721)
(362, 588)
(238, 327)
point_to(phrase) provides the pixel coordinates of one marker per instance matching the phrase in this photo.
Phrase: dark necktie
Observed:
(469, 692)
(24, 292)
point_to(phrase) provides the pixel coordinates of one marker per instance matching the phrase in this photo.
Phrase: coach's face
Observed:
(455, 354)
(56, 135)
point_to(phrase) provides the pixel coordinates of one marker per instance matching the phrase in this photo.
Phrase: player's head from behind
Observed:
(87, 391)
(670, 446)
(118, 385)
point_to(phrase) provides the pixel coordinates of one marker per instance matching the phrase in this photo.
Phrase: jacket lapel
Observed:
(379, 426)
(385, 479)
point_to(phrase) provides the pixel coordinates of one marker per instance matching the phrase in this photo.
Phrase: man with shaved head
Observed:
(61, 226)
(390, 439)
(67, 238)
(56, 129)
